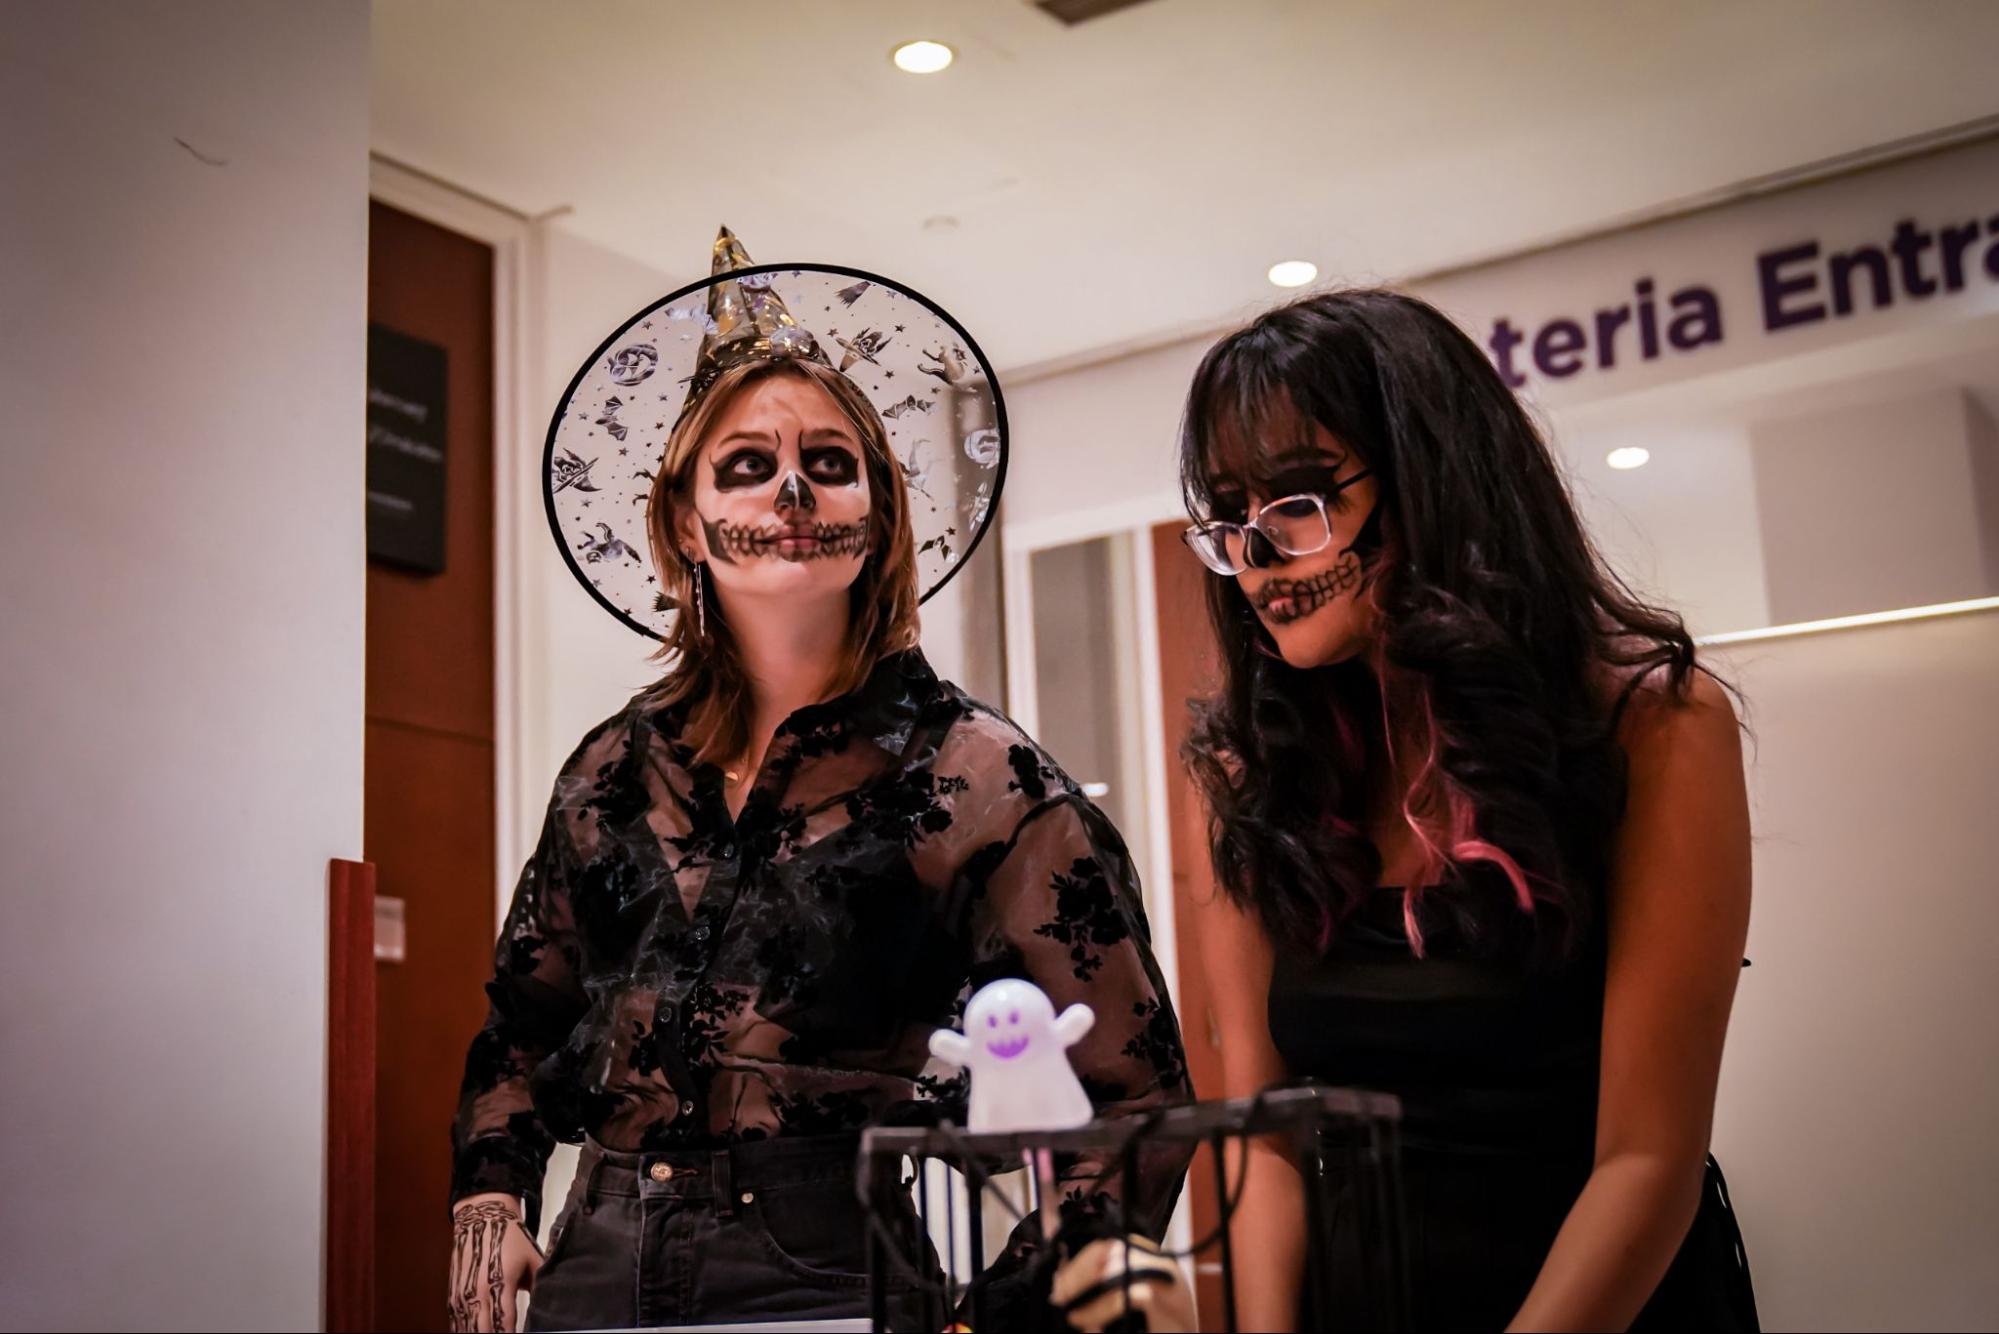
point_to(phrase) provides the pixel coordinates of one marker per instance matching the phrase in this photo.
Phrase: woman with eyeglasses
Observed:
(1479, 825)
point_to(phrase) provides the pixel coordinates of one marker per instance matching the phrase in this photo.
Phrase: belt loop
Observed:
(725, 1191)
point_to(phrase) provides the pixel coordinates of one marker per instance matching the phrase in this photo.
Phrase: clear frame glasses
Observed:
(1294, 525)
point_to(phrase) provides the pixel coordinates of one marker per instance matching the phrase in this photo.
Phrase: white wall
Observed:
(1859, 1094)
(1836, 542)
(1098, 439)
(586, 663)
(1682, 529)
(182, 553)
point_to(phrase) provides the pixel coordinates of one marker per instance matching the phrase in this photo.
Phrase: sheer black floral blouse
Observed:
(668, 977)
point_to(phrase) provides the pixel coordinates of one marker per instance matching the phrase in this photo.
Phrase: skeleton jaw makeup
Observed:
(790, 541)
(1320, 615)
(1287, 600)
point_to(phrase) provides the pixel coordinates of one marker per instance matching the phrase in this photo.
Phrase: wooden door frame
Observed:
(348, 1287)
(1132, 520)
(518, 522)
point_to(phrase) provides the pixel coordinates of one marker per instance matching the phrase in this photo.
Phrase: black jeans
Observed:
(767, 1230)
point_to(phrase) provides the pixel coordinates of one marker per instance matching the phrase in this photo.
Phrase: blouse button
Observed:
(699, 933)
(662, 1172)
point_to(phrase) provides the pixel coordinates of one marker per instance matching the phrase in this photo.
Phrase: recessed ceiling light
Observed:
(1627, 458)
(1293, 272)
(922, 57)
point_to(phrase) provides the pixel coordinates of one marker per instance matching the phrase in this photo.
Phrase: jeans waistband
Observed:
(720, 1172)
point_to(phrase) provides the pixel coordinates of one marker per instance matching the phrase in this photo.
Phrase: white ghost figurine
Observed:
(1017, 1049)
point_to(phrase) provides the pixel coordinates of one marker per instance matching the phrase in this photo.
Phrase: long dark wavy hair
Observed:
(1506, 646)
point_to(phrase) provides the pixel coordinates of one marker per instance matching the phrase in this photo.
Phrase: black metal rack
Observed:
(1347, 1140)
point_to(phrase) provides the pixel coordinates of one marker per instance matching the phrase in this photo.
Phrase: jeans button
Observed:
(661, 1172)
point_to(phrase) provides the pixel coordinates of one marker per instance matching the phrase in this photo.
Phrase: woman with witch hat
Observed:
(767, 879)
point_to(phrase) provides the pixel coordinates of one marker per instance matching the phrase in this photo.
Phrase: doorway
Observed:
(1189, 668)
(429, 801)
(1108, 640)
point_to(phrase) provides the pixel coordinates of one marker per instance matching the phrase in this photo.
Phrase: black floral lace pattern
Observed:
(670, 978)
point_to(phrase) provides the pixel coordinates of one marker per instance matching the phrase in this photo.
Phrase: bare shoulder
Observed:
(1657, 717)
(1683, 748)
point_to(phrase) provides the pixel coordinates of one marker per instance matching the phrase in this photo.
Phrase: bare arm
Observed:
(1678, 918)
(1267, 1232)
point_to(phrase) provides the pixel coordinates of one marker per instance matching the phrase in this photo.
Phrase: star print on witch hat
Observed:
(663, 359)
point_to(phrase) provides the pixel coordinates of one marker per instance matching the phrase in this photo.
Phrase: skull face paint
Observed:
(1313, 606)
(794, 495)
(780, 501)
(1284, 600)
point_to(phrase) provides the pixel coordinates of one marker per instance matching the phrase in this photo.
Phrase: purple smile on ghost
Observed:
(1008, 1049)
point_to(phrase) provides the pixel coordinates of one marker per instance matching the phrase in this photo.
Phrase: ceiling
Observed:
(1066, 190)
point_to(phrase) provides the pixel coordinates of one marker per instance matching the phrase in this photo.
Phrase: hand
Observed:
(493, 1260)
(1157, 1291)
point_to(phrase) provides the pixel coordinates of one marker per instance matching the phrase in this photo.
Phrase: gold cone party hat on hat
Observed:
(749, 320)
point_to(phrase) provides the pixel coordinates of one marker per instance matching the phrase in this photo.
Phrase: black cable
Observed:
(1228, 1206)
(1043, 1257)
(982, 1182)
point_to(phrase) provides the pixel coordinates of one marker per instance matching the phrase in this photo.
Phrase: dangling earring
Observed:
(700, 599)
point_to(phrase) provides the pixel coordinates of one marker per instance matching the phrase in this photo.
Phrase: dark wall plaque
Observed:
(406, 379)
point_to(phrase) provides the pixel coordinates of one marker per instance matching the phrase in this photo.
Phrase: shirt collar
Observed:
(883, 708)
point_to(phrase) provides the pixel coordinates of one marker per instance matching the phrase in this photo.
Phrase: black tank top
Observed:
(1488, 1052)
(1495, 1056)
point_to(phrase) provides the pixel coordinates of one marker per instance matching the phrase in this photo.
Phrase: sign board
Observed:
(406, 384)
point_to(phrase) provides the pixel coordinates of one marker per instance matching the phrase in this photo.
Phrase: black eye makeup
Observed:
(744, 468)
(1321, 480)
(1312, 472)
(832, 465)
(1227, 507)
(755, 465)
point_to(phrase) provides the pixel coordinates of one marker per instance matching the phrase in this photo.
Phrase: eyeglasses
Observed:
(1295, 526)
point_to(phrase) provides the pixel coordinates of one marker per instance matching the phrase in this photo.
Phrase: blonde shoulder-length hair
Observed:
(705, 670)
